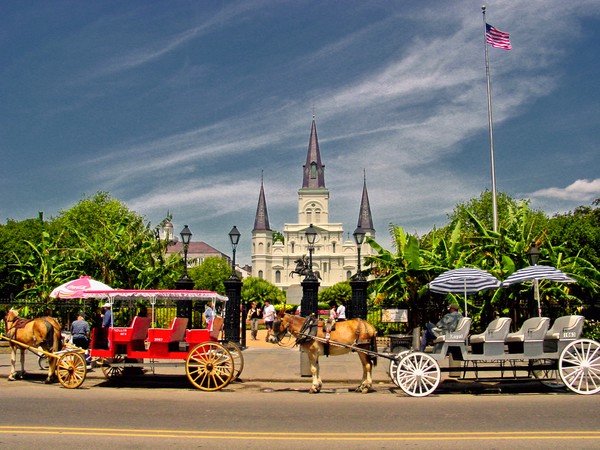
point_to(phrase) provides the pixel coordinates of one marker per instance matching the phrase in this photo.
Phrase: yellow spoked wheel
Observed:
(209, 366)
(238, 357)
(71, 370)
(111, 368)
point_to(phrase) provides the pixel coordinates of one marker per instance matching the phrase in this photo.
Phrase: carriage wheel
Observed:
(579, 366)
(43, 362)
(111, 371)
(549, 377)
(71, 370)
(418, 374)
(393, 370)
(238, 357)
(209, 366)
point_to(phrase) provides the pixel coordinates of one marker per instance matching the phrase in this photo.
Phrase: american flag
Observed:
(497, 38)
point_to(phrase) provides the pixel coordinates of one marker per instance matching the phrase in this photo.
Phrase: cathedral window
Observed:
(348, 275)
(333, 247)
(260, 274)
(313, 170)
(277, 276)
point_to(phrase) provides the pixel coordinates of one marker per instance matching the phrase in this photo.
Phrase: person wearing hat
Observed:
(80, 332)
(447, 324)
(106, 316)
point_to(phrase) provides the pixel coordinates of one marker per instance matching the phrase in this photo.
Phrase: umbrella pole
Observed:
(536, 293)
(466, 315)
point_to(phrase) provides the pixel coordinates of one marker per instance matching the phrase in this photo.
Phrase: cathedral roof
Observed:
(314, 169)
(261, 221)
(365, 220)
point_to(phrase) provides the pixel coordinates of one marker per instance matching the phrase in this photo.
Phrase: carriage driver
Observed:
(448, 323)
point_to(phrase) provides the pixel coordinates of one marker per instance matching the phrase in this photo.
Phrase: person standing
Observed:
(107, 318)
(253, 316)
(269, 317)
(341, 312)
(209, 314)
(80, 332)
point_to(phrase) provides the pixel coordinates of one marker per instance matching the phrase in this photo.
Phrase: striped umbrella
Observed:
(467, 280)
(535, 274)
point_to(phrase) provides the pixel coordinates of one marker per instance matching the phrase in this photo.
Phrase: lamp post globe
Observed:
(533, 254)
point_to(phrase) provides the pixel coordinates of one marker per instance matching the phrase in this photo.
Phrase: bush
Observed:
(591, 330)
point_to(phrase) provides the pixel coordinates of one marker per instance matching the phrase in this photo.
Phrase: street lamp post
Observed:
(358, 302)
(310, 285)
(533, 255)
(184, 307)
(233, 290)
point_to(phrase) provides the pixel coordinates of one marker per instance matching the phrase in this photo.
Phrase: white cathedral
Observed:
(333, 257)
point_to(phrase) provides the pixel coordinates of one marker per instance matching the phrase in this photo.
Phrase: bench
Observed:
(564, 330)
(133, 335)
(529, 338)
(455, 341)
(491, 341)
(212, 334)
(175, 333)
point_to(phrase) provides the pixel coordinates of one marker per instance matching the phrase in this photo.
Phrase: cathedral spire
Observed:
(365, 220)
(314, 170)
(261, 221)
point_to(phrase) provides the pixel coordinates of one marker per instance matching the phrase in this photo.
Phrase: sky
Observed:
(182, 107)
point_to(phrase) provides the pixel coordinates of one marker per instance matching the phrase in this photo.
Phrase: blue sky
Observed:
(180, 106)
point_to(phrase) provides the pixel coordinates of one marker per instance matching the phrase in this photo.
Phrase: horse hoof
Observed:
(11, 378)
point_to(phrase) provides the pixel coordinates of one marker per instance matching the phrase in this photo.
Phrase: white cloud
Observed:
(580, 190)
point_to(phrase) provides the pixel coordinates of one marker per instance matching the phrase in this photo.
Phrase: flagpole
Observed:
(490, 125)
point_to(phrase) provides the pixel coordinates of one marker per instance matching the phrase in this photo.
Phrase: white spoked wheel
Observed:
(579, 366)
(418, 374)
(549, 375)
(394, 366)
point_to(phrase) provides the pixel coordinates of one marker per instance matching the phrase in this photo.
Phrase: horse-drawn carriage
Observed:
(556, 356)
(210, 363)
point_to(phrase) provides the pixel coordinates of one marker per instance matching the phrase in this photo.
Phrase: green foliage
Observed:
(14, 246)
(339, 292)
(591, 330)
(211, 274)
(258, 290)
(278, 237)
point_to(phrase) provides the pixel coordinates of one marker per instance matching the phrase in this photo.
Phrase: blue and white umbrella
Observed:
(535, 274)
(467, 280)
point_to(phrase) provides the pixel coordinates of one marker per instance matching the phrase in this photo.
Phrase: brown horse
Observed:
(312, 336)
(43, 332)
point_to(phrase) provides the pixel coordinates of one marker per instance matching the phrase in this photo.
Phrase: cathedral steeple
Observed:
(261, 221)
(365, 220)
(314, 170)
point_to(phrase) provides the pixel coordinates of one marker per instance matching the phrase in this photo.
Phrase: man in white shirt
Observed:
(341, 312)
(269, 317)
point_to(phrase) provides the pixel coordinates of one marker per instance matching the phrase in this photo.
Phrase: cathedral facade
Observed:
(334, 258)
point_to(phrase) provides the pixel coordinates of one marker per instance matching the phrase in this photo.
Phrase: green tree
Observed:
(339, 292)
(14, 246)
(116, 246)
(258, 290)
(211, 274)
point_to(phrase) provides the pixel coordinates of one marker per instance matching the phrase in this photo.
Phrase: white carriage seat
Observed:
(566, 328)
(496, 331)
(530, 337)
(459, 335)
(491, 341)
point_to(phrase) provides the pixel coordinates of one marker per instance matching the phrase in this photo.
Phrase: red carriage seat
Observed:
(211, 334)
(173, 334)
(132, 336)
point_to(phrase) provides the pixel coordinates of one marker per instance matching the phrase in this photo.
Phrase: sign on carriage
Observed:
(395, 315)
